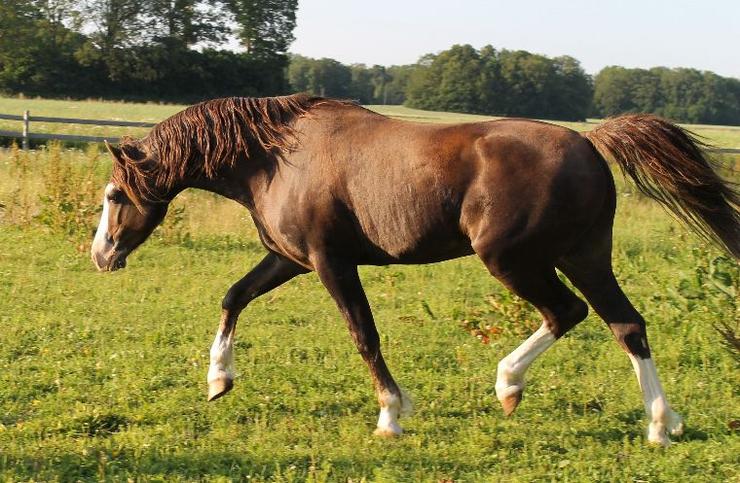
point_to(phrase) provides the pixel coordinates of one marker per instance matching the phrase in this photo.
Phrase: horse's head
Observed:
(125, 223)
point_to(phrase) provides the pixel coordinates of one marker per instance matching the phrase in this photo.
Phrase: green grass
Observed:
(102, 376)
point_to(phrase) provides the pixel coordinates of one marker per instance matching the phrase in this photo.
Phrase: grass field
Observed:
(102, 376)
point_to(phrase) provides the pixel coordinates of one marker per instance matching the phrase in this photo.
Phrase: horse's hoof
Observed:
(392, 431)
(658, 435)
(510, 402)
(219, 387)
(659, 439)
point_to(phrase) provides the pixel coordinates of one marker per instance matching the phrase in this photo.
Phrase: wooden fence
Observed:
(26, 134)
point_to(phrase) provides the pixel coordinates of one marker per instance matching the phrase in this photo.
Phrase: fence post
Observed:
(25, 129)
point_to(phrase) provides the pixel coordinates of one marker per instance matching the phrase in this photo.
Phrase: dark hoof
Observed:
(218, 388)
(510, 402)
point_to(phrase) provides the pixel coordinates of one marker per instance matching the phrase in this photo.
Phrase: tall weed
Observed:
(17, 205)
(70, 194)
(716, 285)
(173, 230)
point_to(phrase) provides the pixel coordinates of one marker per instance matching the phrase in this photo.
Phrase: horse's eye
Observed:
(115, 196)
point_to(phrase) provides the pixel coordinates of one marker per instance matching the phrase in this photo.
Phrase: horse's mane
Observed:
(204, 138)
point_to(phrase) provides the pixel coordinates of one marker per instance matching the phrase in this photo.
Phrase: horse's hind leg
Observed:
(560, 309)
(343, 283)
(271, 272)
(592, 275)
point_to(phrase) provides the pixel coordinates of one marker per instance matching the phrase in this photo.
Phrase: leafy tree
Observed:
(394, 89)
(37, 50)
(492, 87)
(361, 85)
(265, 27)
(613, 92)
(116, 23)
(369, 84)
(458, 71)
(422, 83)
(572, 92)
(17, 27)
(686, 95)
(187, 21)
(320, 77)
(528, 83)
(379, 78)
(448, 81)
(510, 83)
(299, 68)
(645, 90)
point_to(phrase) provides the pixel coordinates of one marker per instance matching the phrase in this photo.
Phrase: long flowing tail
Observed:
(667, 163)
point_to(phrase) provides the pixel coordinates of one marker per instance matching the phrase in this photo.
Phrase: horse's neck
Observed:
(238, 185)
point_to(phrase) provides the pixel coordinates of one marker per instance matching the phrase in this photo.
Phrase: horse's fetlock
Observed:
(389, 399)
(507, 370)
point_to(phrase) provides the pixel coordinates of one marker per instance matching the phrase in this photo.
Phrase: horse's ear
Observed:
(115, 151)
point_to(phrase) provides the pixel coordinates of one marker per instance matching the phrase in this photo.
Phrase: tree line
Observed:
(182, 51)
(687, 95)
(519, 83)
(171, 50)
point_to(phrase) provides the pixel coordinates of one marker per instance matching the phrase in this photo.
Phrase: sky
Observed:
(632, 33)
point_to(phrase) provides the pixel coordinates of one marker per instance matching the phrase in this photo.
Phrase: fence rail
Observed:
(26, 134)
(56, 137)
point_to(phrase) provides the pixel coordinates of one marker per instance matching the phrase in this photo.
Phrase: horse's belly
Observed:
(419, 240)
(438, 253)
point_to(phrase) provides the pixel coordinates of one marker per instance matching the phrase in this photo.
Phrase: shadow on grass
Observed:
(690, 434)
(635, 420)
(631, 417)
(212, 464)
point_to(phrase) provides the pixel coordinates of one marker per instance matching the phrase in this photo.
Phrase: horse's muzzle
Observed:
(118, 260)
(110, 261)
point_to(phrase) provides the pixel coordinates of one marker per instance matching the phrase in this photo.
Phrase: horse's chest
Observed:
(285, 236)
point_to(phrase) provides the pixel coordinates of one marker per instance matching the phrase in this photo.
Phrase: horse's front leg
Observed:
(271, 272)
(343, 283)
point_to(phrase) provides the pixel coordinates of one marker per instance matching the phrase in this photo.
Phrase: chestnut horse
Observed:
(331, 185)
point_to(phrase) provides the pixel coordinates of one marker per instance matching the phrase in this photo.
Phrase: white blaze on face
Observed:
(663, 419)
(222, 358)
(100, 245)
(511, 369)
